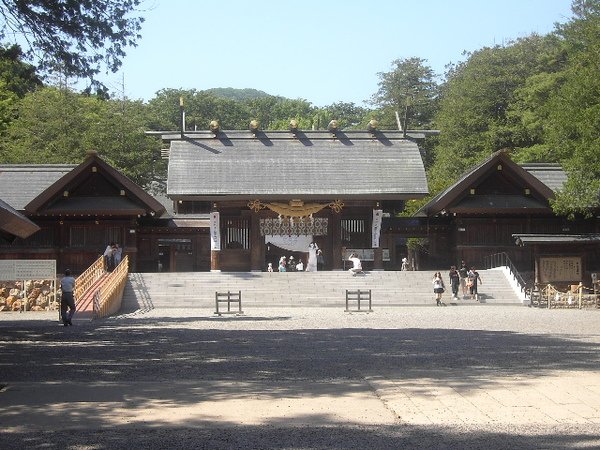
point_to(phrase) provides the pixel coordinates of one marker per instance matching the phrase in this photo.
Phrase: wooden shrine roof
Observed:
(127, 197)
(40, 188)
(14, 224)
(509, 197)
(278, 165)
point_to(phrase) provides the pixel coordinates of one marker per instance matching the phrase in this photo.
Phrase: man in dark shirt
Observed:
(463, 271)
(67, 301)
(454, 281)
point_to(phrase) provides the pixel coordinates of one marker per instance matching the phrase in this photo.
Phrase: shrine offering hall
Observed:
(272, 194)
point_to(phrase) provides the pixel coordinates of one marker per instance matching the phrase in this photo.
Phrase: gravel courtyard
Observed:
(468, 377)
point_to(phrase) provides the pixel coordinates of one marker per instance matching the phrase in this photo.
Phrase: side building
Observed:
(500, 207)
(76, 209)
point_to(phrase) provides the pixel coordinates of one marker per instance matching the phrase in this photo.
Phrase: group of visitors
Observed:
(315, 259)
(463, 277)
(287, 265)
(112, 256)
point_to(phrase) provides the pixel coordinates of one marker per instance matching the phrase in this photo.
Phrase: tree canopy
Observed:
(538, 96)
(74, 37)
(409, 89)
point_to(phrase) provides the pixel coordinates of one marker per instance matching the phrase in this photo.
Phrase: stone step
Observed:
(197, 289)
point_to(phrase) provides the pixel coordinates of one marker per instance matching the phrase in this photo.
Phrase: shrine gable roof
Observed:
(498, 185)
(278, 164)
(94, 187)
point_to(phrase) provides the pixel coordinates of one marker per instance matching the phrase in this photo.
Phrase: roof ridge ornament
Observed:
(214, 127)
(333, 127)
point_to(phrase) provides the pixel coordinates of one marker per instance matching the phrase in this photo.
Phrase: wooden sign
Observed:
(27, 269)
(560, 268)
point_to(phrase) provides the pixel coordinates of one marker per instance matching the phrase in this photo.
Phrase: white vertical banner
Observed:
(376, 232)
(215, 231)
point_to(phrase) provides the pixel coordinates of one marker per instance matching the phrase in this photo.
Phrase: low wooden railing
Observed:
(107, 299)
(578, 296)
(88, 278)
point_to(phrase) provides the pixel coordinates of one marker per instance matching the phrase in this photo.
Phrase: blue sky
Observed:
(321, 51)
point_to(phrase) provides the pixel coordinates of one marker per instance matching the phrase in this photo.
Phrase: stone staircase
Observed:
(300, 289)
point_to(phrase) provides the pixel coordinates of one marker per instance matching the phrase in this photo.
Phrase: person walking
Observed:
(454, 281)
(109, 257)
(438, 288)
(472, 282)
(118, 254)
(463, 271)
(67, 299)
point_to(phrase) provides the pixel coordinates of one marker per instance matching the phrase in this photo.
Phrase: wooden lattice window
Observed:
(354, 233)
(235, 233)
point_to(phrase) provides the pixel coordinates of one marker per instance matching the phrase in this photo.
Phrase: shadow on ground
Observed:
(325, 437)
(112, 352)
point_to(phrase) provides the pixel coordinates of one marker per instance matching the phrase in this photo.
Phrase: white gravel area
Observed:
(464, 377)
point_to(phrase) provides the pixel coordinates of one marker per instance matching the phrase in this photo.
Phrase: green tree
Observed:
(74, 37)
(16, 79)
(19, 76)
(409, 89)
(574, 117)
(200, 108)
(479, 110)
(348, 115)
(59, 126)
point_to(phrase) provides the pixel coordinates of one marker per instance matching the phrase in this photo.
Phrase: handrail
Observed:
(89, 277)
(107, 299)
(503, 260)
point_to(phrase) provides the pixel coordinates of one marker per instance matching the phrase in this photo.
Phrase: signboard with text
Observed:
(27, 269)
(560, 268)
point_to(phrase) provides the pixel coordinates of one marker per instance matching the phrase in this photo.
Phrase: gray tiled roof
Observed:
(21, 183)
(277, 165)
(552, 175)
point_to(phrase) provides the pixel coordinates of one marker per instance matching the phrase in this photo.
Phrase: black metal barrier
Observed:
(229, 298)
(358, 296)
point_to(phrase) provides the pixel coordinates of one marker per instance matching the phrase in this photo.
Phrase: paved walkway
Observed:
(418, 377)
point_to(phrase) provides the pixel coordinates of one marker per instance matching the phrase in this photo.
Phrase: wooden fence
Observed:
(578, 297)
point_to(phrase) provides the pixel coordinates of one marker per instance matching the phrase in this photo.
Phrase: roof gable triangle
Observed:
(480, 176)
(94, 178)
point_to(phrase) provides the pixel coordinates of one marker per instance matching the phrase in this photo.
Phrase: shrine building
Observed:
(272, 193)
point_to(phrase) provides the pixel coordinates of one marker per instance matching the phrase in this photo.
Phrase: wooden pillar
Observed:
(336, 241)
(256, 244)
(214, 261)
(536, 267)
(378, 259)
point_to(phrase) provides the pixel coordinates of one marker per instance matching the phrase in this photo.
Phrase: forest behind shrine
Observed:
(537, 96)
